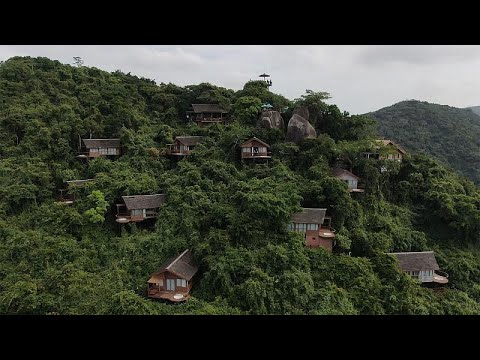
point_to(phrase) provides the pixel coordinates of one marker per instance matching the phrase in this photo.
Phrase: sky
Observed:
(360, 78)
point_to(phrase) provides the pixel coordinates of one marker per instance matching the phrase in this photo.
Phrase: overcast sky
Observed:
(360, 78)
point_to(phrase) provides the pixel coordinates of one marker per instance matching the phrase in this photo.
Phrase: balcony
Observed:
(356, 190)
(440, 277)
(175, 296)
(207, 120)
(66, 199)
(326, 233)
(258, 155)
(175, 151)
(124, 217)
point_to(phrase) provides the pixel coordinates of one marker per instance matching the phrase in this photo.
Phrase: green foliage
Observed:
(75, 259)
(330, 120)
(96, 213)
(445, 133)
(247, 109)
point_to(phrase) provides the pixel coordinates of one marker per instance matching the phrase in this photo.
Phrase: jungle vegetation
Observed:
(57, 259)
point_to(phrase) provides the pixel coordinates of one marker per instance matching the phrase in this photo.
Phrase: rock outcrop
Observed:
(271, 120)
(299, 129)
(302, 111)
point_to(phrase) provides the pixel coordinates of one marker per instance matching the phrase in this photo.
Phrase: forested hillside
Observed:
(75, 259)
(475, 109)
(447, 134)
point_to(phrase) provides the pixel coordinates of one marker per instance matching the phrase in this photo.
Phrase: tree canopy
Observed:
(59, 259)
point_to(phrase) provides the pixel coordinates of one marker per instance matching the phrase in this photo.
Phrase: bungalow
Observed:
(100, 147)
(394, 151)
(173, 280)
(139, 207)
(183, 145)
(255, 149)
(204, 114)
(316, 227)
(66, 197)
(349, 178)
(421, 266)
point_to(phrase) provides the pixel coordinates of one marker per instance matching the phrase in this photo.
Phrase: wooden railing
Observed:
(254, 155)
(208, 121)
(441, 273)
(173, 150)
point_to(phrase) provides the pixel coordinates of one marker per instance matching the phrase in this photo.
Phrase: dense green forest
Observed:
(447, 134)
(58, 259)
(475, 109)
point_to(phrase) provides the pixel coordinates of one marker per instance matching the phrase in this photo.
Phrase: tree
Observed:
(78, 61)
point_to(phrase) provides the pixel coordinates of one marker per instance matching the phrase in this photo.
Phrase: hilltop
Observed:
(448, 134)
(475, 109)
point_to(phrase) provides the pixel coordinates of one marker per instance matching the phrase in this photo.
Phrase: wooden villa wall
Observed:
(169, 276)
(313, 240)
(350, 178)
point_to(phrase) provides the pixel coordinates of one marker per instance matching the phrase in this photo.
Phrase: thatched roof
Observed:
(309, 216)
(249, 141)
(386, 142)
(101, 143)
(416, 261)
(143, 201)
(208, 108)
(182, 265)
(336, 172)
(189, 140)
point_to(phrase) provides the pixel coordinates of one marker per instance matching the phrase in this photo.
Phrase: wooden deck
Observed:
(209, 120)
(326, 233)
(88, 155)
(168, 295)
(356, 190)
(264, 155)
(125, 218)
(440, 279)
(178, 152)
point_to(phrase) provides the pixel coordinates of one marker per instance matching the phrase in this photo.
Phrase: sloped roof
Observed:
(339, 171)
(103, 143)
(386, 142)
(208, 108)
(416, 261)
(309, 216)
(189, 140)
(143, 201)
(245, 144)
(182, 265)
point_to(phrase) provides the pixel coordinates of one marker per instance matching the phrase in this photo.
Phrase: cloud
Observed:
(418, 54)
(359, 78)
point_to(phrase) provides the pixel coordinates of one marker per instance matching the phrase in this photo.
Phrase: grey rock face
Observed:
(299, 129)
(302, 111)
(271, 119)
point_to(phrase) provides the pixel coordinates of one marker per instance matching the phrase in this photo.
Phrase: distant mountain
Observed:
(446, 133)
(475, 109)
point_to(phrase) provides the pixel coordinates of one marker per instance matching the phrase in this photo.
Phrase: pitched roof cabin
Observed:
(100, 147)
(139, 207)
(421, 266)
(204, 114)
(316, 227)
(173, 280)
(66, 197)
(394, 152)
(255, 148)
(183, 145)
(349, 178)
